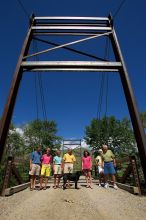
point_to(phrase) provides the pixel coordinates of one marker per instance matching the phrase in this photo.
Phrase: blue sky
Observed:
(72, 98)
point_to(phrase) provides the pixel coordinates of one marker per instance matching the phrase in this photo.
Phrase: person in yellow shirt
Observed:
(69, 160)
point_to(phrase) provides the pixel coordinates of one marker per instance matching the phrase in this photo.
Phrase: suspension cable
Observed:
(42, 96)
(36, 87)
(36, 98)
(103, 84)
(40, 84)
(23, 8)
(119, 8)
(106, 94)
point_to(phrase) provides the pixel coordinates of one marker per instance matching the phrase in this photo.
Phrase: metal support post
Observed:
(131, 102)
(10, 103)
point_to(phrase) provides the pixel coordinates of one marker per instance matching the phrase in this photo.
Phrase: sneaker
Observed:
(106, 185)
(115, 186)
(99, 185)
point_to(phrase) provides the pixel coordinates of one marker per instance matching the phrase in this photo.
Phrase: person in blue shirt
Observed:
(35, 165)
(57, 168)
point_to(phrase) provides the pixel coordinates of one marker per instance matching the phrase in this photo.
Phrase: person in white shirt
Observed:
(99, 163)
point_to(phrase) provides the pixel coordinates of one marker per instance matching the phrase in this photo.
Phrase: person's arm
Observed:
(64, 158)
(42, 158)
(30, 161)
(114, 162)
(51, 161)
(90, 163)
(74, 159)
(82, 163)
(30, 165)
(97, 161)
(102, 165)
(113, 157)
(53, 164)
(62, 163)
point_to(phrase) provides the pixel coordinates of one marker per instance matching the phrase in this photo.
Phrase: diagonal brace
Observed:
(70, 49)
(67, 44)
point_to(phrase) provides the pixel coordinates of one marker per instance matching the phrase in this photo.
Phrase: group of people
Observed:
(42, 165)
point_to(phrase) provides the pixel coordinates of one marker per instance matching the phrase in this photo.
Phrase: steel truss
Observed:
(89, 28)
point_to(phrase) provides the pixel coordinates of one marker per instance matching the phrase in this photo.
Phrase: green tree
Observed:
(42, 133)
(117, 134)
(143, 118)
(15, 142)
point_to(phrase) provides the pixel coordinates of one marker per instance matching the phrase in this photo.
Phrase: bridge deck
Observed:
(97, 203)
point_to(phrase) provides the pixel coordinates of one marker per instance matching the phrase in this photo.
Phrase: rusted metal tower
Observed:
(87, 28)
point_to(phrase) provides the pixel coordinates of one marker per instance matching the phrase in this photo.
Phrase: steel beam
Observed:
(71, 66)
(69, 27)
(64, 33)
(131, 102)
(73, 18)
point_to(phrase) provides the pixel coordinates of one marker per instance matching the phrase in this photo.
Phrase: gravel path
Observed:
(56, 204)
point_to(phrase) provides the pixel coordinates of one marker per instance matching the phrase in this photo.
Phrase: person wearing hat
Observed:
(99, 162)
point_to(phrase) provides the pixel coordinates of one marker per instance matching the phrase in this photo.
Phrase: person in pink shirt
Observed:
(87, 167)
(46, 168)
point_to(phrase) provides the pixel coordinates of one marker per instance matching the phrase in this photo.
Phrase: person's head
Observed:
(38, 149)
(69, 151)
(58, 153)
(86, 153)
(48, 151)
(104, 148)
(100, 151)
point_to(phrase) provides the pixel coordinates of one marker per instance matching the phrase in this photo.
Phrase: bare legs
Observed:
(88, 178)
(41, 182)
(58, 182)
(113, 179)
(32, 182)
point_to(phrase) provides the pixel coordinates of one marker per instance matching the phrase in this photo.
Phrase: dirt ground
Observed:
(55, 204)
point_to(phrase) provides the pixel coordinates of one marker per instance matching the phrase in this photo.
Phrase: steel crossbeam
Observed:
(92, 66)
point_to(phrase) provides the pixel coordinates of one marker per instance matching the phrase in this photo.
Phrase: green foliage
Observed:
(143, 118)
(15, 142)
(117, 134)
(42, 133)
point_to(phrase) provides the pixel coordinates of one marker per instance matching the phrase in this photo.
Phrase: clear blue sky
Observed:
(72, 98)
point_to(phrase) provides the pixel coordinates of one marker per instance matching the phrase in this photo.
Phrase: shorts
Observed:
(46, 170)
(68, 168)
(35, 170)
(57, 169)
(100, 169)
(109, 168)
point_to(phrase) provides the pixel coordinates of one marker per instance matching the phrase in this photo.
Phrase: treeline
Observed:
(22, 141)
(118, 134)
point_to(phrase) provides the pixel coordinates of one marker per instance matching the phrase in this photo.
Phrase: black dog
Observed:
(72, 177)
